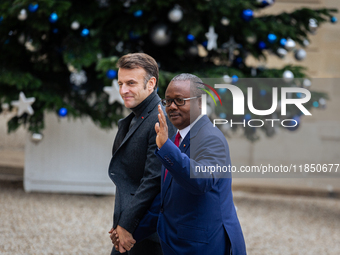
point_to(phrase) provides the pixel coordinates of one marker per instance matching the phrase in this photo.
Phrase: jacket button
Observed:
(162, 210)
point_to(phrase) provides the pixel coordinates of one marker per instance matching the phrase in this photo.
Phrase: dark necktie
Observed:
(177, 139)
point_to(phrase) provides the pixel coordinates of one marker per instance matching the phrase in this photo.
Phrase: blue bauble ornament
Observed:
(85, 32)
(262, 45)
(238, 60)
(272, 38)
(33, 7)
(55, 30)
(190, 37)
(316, 104)
(247, 116)
(334, 19)
(138, 13)
(111, 74)
(263, 92)
(222, 91)
(222, 115)
(247, 14)
(53, 17)
(205, 43)
(234, 78)
(62, 112)
(291, 123)
(283, 42)
(1, 19)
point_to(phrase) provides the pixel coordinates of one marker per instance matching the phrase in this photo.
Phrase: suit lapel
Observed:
(184, 147)
(126, 122)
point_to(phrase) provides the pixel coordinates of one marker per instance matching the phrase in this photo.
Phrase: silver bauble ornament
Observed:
(281, 52)
(5, 107)
(322, 101)
(37, 137)
(175, 15)
(300, 54)
(225, 21)
(313, 25)
(288, 76)
(306, 42)
(75, 25)
(306, 83)
(160, 35)
(22, 15)
(193, 50)
(251, 39)
(227, 78)
(290, 44)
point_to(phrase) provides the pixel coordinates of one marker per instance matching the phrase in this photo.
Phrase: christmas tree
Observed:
(60, 56)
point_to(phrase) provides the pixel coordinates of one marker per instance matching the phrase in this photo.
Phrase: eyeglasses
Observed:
(177, 101)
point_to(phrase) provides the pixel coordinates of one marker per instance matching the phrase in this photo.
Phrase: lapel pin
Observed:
(142, 117)
(184, 145)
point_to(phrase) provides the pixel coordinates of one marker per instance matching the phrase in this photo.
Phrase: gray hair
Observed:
(196, 85)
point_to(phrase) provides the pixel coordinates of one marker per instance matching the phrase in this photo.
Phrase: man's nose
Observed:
(173, 105)
(123, 89)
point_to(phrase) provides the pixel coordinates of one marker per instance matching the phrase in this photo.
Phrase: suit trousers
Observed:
(144, 247)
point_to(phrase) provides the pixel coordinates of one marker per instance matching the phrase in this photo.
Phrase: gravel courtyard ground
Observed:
(38, 223)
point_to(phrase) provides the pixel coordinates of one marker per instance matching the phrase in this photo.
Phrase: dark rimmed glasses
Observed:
(177, 101)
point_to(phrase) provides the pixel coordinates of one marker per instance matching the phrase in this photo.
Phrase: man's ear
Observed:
(152, 83)
(200, 102)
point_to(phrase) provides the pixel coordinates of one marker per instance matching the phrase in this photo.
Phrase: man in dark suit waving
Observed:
(197, 212)
(134, 168)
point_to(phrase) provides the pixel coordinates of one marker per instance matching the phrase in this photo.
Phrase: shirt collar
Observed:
(183, 132)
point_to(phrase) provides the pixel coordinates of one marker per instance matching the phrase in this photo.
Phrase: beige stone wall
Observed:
(317, 139)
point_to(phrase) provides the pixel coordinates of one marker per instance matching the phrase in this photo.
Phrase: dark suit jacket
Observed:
(197, 215)
(134, 168)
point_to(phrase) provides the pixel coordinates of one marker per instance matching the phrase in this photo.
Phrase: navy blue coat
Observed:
(197, 215)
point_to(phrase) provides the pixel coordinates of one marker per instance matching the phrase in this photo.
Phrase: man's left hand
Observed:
(125, 238)
(161, 128)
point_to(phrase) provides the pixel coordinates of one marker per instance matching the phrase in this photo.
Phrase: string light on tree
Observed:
(24, 104)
